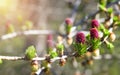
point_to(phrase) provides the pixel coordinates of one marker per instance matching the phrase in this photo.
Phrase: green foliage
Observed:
(104, 30)
(10, 28)
(30, 52)
(68, 28)
(110, 45)
(29, 24)
(110, 10)
(109, 1)
(88, 37)
(34, 68)
(46, 65)
(1, 61)
(80, 48)
(102, 8)
(53, 54)
(103, 2)
(118, 23)
(95, 43)
(60, 47)
(115, 18)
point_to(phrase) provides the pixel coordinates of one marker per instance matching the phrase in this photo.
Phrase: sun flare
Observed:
(4, 3)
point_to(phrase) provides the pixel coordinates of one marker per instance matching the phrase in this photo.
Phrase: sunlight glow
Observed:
(4, 3)
(7, 6)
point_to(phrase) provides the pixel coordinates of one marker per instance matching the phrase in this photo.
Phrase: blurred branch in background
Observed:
(25, 33)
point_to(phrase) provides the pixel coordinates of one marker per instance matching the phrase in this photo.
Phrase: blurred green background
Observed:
(49, 15)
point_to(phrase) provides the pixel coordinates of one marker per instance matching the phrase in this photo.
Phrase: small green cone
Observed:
(30, 53)
(1, 61)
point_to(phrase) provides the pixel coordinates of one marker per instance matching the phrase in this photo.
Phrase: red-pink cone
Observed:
(50, 40)
(94, 23)
(68, 21)
(80, 38)
(94, 33)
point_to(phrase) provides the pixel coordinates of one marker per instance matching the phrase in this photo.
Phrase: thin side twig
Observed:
(11, 58)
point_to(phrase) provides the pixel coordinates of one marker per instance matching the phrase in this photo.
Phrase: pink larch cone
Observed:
(80, 38)
(68, 21)
(50, 40)
(94, 24)
(94, 33)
